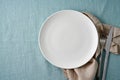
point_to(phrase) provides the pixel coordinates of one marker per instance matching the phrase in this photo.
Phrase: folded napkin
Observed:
(88, 71)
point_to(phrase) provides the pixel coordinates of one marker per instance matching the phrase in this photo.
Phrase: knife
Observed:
(107, 48)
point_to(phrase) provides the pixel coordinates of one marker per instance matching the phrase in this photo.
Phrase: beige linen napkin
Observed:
(88, 71)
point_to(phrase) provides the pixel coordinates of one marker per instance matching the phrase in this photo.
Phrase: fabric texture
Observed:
(20, 22)
(88, 71)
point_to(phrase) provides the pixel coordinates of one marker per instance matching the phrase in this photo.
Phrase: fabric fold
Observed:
(88, 71)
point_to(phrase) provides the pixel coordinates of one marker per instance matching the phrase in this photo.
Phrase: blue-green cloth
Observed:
(20, 21)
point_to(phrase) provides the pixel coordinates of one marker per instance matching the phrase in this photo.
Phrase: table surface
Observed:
(20, 21)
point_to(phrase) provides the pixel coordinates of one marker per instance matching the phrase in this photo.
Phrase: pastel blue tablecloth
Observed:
(20, 21)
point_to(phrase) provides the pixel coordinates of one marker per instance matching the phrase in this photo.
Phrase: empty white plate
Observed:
(68, 39)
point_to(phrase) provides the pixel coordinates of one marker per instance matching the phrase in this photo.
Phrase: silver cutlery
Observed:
(107, 48)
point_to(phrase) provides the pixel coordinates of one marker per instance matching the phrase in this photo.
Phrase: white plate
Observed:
(68, 39)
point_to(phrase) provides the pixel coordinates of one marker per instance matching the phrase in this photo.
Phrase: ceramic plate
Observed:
(68, 39)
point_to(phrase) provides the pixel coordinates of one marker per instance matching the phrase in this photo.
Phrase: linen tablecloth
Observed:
(20, 21)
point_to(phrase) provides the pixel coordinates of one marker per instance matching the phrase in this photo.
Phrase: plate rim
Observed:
(39, 40)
